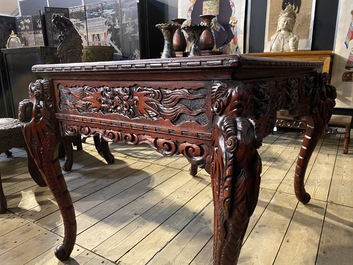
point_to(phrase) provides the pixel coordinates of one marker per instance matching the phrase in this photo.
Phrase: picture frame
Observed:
(342, 69)
(304, 21)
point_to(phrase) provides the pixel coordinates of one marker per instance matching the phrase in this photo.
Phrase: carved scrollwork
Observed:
(177, 105)
(291, 124)
(108, 135)
(195, 153)
(230, 97)
(165, 147)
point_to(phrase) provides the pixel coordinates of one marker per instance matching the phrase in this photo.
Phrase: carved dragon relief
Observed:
(177, 106)
(136, 101)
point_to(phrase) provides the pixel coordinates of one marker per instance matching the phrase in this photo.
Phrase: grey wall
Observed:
(65, 3)
(31, 7)
(170, 9)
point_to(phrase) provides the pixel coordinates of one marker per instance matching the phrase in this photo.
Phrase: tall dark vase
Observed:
(168, 31)
(194, 33)
(206, 38)
(179, 41)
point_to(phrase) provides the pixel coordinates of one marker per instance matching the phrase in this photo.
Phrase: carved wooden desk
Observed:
(214, 110)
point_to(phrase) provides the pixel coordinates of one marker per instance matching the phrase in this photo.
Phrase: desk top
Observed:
(204, 63)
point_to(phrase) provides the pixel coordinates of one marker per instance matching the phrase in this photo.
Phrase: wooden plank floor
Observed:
(146, 209)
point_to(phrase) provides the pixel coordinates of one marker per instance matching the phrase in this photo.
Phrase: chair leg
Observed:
(347, 139)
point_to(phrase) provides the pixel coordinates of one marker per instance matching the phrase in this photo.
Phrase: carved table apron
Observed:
(215, 110)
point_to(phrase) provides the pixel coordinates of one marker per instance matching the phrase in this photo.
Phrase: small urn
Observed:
(206, 38)
(179, 41)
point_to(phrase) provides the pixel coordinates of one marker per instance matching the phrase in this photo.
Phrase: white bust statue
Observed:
(284, 40)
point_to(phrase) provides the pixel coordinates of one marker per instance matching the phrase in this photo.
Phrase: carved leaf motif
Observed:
(309, 85)
(292, 92)
(261, 99)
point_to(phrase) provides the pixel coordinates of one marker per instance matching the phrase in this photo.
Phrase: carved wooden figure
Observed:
(70, 42)
(214, 110)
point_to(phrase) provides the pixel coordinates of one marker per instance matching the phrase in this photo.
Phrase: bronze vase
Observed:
(168, 32)
(194, 33)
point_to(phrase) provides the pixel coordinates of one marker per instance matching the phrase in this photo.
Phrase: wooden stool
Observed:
(345, 122)
(11, 136)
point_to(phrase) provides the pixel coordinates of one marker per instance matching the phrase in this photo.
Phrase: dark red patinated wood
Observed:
(214, 110)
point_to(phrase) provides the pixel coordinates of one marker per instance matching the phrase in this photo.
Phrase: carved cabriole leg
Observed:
(321, 114)
(42, 138)
(235, 168)
(235, 173)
